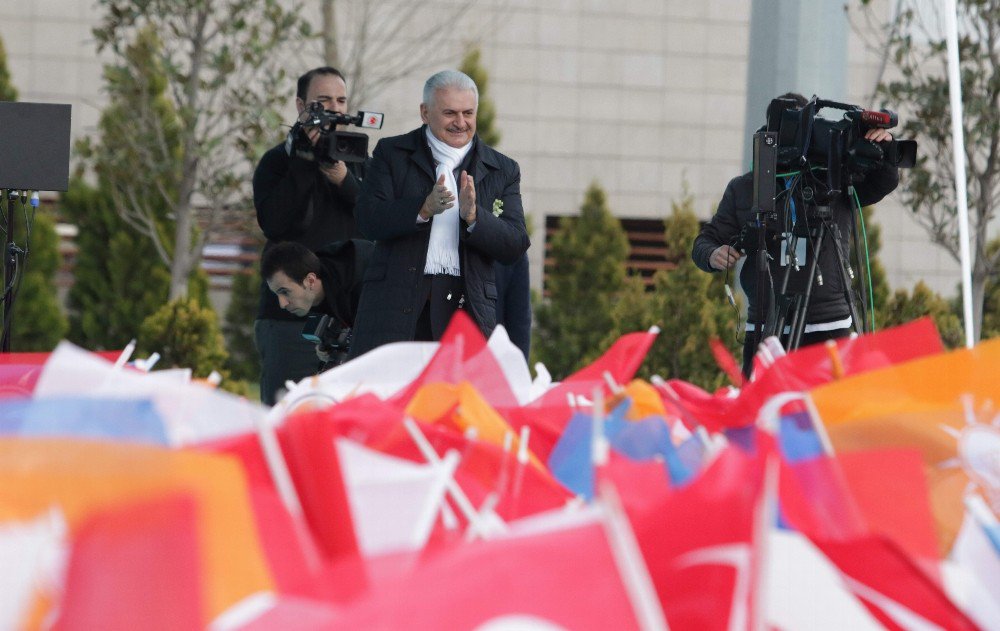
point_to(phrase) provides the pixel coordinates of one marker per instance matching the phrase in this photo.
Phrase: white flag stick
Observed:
(628, 559)
(456, 492)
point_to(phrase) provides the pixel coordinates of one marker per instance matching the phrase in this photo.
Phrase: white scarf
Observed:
(442, 252)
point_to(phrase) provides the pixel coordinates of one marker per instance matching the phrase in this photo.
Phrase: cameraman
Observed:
(828, 314)
(300, 199)
(325, 282)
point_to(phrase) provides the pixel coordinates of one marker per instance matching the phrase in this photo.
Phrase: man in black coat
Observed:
(828, 314)
(514, 302)
(325, 282)
(441, 206)
(299, 198)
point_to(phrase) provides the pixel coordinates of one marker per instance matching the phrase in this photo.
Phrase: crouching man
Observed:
(315, 284)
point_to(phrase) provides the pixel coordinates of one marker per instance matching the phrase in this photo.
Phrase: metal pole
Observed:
(958, 146)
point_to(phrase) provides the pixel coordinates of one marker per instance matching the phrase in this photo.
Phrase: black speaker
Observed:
(34, 146)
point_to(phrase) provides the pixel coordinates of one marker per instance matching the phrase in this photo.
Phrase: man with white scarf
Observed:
(441, 206)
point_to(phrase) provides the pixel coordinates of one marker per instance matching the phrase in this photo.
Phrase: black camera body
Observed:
(805, 140)
(333, 338)
(335, 145)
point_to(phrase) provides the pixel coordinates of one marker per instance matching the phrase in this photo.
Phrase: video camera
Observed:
(334, 145)
(807, 141)
(334, 339)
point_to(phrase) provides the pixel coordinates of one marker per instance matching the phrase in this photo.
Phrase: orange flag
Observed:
(943, 405)
(462, 406)
(85, 478)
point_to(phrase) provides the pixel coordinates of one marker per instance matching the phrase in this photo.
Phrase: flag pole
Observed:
(958, 151)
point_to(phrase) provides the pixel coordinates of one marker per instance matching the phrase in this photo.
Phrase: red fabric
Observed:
(907, 519)
(19, 372)
(567, 578)
(802, 370)
(726, 361)
(699, 544)
(295, 557)
(881, 566)
(547, 416)
(307, 442)
(135, 567)
(461, 341)
(641, 484)
(845, 498)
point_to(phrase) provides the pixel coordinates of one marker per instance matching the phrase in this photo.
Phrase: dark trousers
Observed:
(752, 340)
(445, 295)
(284, 356)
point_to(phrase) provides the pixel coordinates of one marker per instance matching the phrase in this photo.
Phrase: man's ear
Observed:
(423, 113)
(300, 105)
(309, 282)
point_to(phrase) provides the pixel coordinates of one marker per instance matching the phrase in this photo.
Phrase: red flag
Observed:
(547, 416)
(892, 587)
(699, 544)
(726, 361)
(135, 567)
(566, 577)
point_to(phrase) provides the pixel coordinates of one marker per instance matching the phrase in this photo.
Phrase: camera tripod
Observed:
(791, 308)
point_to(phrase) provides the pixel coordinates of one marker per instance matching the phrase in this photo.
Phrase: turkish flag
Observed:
(565, 577)
(699, 543)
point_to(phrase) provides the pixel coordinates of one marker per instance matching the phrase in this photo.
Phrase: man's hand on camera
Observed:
(439, 200)
(311, 131)
(878, 134)
(335, 172)
(323, 356)
(724, 257)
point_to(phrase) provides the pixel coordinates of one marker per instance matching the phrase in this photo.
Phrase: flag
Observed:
(700, 544)
(565, 578)
(940, 406)
(394, 502)
(135, 566)
(83, 478)
(31, 551)
(84, 417)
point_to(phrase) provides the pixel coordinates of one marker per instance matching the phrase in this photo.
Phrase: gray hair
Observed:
(449, 79)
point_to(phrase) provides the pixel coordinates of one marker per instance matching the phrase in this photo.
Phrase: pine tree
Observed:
(118, 281)
(7, 90)
(38, 320)
(588, 273)
(905, 307)
(119, 278)
(691, 309)
(238, 326)
(879, 289)
(186, 335)
(486, 113)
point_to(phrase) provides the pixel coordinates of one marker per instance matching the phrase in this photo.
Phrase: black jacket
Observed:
(296, 202)
(514, 302)
(827, 302)
(399, 178)
(342, 271)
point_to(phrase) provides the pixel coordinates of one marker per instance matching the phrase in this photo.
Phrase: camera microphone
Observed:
(370, 120)
(883, 119)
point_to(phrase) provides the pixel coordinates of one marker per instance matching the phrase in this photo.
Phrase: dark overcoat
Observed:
(400, 176)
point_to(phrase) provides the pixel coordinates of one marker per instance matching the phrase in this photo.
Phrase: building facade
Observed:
(648, 98)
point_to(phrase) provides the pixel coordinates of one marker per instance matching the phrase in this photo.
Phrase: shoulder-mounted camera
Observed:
(334, 145)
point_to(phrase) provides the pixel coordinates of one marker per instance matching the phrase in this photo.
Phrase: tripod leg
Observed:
(795, 334)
